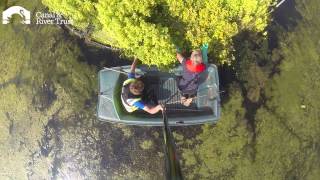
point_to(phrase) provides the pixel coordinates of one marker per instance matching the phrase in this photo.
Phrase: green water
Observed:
(48, 126)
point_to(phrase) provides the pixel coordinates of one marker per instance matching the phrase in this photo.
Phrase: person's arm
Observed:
(133, 66)
(153, 110)
(180, 57)
(149, 109)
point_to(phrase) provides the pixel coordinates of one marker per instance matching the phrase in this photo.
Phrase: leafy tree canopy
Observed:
(151, 29)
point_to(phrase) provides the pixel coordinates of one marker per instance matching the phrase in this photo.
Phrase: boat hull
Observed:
(205, 108)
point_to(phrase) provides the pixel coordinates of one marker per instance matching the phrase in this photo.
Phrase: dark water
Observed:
(101, 57)
(96, 56)
(286, 15)
(284, 18)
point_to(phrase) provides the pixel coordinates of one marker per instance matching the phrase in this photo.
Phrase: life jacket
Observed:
(127, 98)
(195, 68)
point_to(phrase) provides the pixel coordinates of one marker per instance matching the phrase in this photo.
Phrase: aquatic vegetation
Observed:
(156, 134)
(177, 136)
(47, 123)
(282, 141)
(41, 81)
(221, 146)
(146, 144)
(126, 130)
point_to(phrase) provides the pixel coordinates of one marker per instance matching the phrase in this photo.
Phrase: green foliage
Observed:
(151, 29)
(81, 11)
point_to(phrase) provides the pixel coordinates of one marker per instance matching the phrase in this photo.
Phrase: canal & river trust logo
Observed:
(7, 14)
(41, 18)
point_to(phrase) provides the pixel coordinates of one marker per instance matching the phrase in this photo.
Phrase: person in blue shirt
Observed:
(132, 94)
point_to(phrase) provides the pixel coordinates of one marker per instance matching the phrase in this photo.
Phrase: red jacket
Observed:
(195, 68)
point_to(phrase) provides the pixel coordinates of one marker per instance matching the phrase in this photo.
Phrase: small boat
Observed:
(205, 108)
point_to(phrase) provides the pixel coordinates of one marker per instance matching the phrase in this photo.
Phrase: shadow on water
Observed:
(45, 96)
(285, 18)
(286, 15)
(101, 57)
(51, 142)
(227, 76)
(96, 56)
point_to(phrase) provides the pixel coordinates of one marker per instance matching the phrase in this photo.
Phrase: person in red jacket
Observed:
(189, 82)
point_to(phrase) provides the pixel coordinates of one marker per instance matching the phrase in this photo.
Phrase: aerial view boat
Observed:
(205, 107)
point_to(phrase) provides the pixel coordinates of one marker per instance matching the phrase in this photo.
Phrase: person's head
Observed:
(136, 87)
(196, 57)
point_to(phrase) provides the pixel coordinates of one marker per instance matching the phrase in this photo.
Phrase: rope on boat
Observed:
(118, 71)
(280, 3)
(277, 5)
